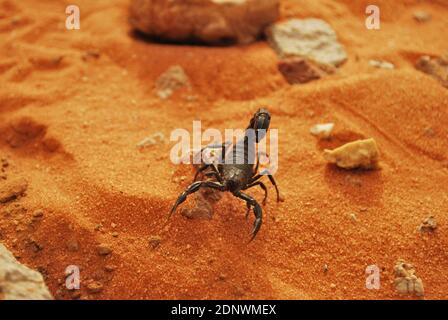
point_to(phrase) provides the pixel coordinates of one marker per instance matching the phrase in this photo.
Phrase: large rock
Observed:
(209, 21)
(313, 39)
(18, 282)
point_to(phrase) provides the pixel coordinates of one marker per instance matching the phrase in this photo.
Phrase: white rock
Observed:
(322, 131)
(210, 21)
(381, 64)
(18, 282)
(313, 39)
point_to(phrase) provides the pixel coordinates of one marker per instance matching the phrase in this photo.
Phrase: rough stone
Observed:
(209, 21)
(406, 282)
(104, 250)
(313, 39)
(436, 67)
(422, 16)
(154, 241)
(38, 213)
(18, 282)
(428, 225)
(357, 154)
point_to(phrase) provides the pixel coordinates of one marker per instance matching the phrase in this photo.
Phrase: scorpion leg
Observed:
(192, 188)
(257, 211)
(248, 210)
(201, 169)
(262, 186)
(215, 173)
(204, 167)
(271, 178)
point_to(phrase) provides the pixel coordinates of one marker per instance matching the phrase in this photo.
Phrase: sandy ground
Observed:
(70, 122)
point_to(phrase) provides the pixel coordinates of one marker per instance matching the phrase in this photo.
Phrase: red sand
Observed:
(80, 122)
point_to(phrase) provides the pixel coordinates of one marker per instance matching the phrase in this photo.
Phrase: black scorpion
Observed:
(240, 174)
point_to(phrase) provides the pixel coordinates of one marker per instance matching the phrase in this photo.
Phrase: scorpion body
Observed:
(239, 173)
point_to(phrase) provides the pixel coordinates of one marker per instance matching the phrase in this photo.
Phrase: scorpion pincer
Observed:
(239, 174)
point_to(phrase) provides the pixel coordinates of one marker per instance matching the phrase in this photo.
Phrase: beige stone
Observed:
(357, 154)
(18, 282)
(422, 16)
(103, 249)
(429, 224)
(406, 282)
(381, 64)
(209, 21)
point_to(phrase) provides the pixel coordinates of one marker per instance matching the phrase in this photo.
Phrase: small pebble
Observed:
(38, 213)
(103, 250)
(380, 64)
(322, 131)
(154, 241)
(222, 277)
(422, 16)
(94, 286)
(428, 225)
(4, 162)
(109, 268)
(35, 246)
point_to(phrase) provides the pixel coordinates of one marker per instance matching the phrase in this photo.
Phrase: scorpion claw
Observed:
(257, 226)
(248, 211)
(181, 199)
(192, 188)
(173, 209)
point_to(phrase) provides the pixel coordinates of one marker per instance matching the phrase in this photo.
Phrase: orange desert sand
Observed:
(74, 104)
